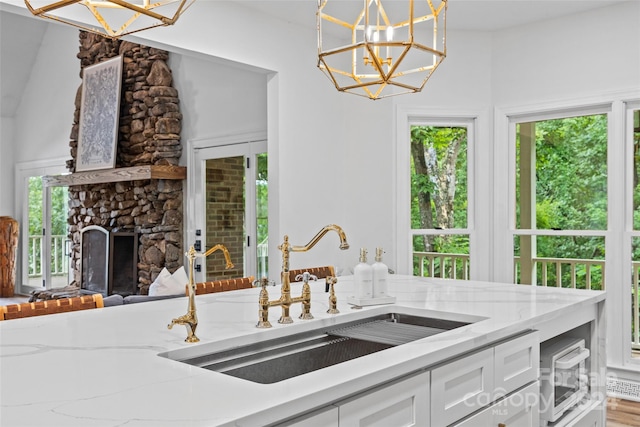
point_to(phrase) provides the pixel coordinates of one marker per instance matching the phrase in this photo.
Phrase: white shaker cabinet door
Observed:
(404, 403)
(517, 363)
(461, 387)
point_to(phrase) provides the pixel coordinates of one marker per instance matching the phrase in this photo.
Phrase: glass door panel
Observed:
(59, 237)
(225, 215)
(262, 216)
(232, 209)
(35, 233)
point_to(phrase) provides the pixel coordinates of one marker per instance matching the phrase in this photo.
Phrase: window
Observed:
(439, 200)
(435, 198)
(633, 135)
(561, 201)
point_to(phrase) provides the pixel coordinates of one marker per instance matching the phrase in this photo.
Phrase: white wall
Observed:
(577, 56)
(6, 167)
(43, 121)
(218, 99)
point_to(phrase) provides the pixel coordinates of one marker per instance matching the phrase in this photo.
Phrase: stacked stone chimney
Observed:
(149, 134)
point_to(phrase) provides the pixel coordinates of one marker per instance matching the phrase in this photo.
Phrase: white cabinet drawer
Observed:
(325, 417)
(482, 418)
(461, 387)
(401, 404)
(517, 363)
(593, 415)
(518, 410)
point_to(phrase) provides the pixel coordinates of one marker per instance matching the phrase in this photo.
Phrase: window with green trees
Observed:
(561, 200)
(59, 262)
(635, 239)
(439, 201)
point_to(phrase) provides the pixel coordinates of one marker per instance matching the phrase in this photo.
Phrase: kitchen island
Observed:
(108, 367)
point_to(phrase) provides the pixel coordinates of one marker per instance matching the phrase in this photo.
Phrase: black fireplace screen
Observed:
(109, 261)
(93, 256)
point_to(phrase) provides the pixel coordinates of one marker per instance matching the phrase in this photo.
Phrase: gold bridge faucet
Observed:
(285, 299)
(190, 320)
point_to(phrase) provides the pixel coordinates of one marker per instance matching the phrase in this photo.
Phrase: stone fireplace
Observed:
(148, 209)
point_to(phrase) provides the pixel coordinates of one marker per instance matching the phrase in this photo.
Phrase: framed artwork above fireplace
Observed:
(99, 114)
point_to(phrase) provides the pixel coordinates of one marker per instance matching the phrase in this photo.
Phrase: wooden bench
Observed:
(223, 285)
(39, 308)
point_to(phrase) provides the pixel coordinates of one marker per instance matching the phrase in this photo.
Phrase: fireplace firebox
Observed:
(108, 261)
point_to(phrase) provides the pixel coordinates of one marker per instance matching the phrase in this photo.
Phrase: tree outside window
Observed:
(439, 199)
(561, 191)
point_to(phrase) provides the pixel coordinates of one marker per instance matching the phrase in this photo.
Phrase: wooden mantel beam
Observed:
(133, 173)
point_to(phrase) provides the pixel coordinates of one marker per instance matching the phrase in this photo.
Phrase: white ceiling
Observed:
(17, 54)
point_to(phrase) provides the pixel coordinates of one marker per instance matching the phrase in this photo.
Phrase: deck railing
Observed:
(59, 257)
(571, 273)
(556, 272)
(442, 265)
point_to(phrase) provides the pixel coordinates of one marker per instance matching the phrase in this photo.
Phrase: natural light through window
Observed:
(439, 201)
(561, 202)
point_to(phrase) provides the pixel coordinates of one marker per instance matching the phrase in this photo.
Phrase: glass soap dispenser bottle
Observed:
(363, 277)
(380, 275)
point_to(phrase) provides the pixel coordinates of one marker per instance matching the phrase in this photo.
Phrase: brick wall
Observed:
(225, 215)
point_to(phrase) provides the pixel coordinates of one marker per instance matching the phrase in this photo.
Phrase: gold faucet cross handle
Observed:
(264, 282)
(305, 277)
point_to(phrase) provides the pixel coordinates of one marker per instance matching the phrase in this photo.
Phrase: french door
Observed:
(43, 211)
(230, 203)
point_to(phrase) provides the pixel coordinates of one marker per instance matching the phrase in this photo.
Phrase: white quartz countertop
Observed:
(101, 367)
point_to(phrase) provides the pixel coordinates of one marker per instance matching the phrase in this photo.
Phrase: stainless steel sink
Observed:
(281, 358)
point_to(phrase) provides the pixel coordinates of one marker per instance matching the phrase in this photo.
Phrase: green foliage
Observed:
(438, 143)
(443, 185)
(35, 206)
(570, 189)
(59, 213)
(571, 183)
(547, 214)
(262, 197)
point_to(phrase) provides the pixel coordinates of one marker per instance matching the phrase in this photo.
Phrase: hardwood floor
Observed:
(623, 413)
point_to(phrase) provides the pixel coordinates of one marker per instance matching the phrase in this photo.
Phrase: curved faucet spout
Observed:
(224, 250)
(285, 299)
(190, 320)
(331, 227)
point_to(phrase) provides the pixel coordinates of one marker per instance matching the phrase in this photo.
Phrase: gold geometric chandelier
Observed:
(117, 18)
(376, 52)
